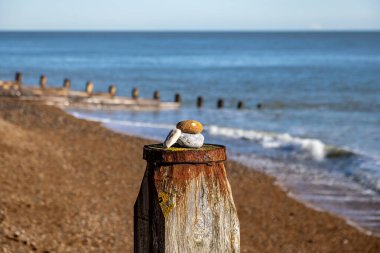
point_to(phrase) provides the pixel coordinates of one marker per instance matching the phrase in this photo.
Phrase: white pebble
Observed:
(191, 140)
(172, 138)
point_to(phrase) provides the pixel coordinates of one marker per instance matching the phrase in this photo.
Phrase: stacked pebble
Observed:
(187, 134)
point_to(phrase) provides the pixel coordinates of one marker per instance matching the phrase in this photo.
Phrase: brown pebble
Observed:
(190, 126)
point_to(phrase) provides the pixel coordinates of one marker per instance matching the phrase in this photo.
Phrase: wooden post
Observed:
(67, 84)
(240, 105)
(89, 88)
(135, 93)
(177, 98)
(220, 103)
(112, 90)
(156, 95)
(199, 102)
(18, 78)
(43, 81)
(185, 202)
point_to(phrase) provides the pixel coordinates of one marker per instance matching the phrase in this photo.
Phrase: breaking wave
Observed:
(311, 148)
(314, 148)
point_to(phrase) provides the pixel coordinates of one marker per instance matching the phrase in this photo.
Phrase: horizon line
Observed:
(201, 31)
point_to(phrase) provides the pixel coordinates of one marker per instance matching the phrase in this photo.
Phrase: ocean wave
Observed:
(301, 147)
(314, 148)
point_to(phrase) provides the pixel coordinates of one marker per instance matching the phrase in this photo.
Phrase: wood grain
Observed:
(186, 207)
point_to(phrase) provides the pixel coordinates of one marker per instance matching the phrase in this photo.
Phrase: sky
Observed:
(169, 15)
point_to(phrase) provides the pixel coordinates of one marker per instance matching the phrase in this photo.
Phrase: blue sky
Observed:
(190, 15)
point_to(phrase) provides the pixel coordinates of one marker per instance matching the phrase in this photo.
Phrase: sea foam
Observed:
(308, 147)
(313, 148)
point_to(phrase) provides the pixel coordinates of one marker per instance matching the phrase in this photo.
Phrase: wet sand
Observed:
(69, 185)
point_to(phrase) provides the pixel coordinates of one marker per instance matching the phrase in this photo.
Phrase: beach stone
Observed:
(191, 140)
(190, 126)
(172, 138)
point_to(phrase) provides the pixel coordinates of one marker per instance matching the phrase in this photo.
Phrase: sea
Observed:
(311, 115)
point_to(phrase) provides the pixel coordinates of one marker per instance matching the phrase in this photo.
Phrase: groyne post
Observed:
(199, 102)
(177, 98)
(112, 90)
(89, 88)
(43, 81)
(18, 78)
(185, 202)
(156, 95)
(220, 103)
(135, 93)
(240, 105)
(67, 84)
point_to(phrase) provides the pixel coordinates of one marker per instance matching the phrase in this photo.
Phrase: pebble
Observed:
(191, 140)
(190, 126)
(172, 138)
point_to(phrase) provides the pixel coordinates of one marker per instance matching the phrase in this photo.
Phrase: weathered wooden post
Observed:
(240, 105)
(67, 84)
(89, 88)
(43, 81)
(177, 98)
(156, 95)
(18, 78)
(220, 103)
(135, 93)
(112, 90)
(199, 102)
(185, 202)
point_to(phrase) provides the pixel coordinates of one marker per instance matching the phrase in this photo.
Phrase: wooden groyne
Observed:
(87, 99)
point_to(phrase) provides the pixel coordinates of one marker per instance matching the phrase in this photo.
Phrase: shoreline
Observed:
(292, 189)
(293, 192)
(65, 168)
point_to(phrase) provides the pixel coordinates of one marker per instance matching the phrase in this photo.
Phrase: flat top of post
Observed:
(208, 153)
